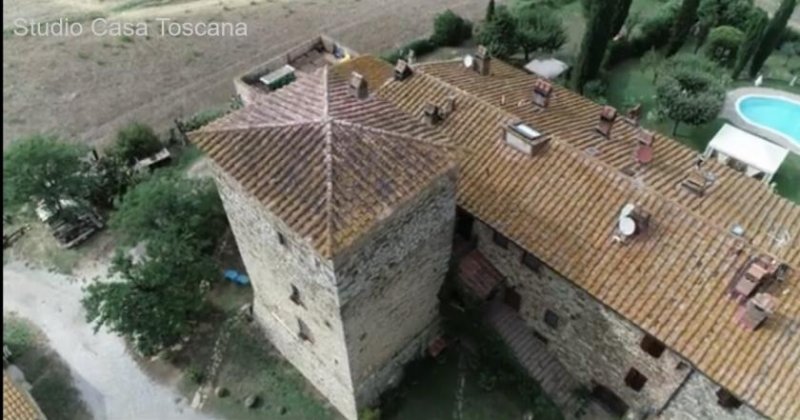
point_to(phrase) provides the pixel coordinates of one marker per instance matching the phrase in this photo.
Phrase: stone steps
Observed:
(535, 358)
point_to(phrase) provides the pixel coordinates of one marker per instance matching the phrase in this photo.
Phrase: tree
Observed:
(772, 35)
(713, 13)
(620, 16)
(688, 95)
(113, 177)
(687, 15)
(651, 61)
(595, 41)
(490, 11)
(170, 203)
(791, 49)
(539, 28)
(450, 29)
(136, 141)
(44, 169)
(755, 30)
(723, 45)
(499, 35)
(154, 301)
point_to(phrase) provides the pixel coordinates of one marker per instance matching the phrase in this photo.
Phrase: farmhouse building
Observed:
(611, 258)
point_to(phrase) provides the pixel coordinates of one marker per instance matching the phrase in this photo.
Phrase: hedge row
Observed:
(449, 29)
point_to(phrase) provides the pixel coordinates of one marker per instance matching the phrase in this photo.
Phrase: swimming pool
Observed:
(779, 115)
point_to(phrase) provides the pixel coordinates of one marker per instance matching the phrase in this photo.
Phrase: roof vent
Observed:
(524, 138)
(644, 149)
(698, 181)
(432, 114)
(541, 93)
(607, 117)
(754, 275)
(358, 86)
(482, 61)
(755, 311)
(402, 70)
(635, 114)
(631, 222)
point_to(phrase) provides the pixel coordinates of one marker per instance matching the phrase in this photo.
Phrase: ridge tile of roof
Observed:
(562, 205)
(329, 165)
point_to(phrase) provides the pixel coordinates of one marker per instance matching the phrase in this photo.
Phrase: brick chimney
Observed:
(432, 114)
(358, 86)
(402, 70)
(541, 93)
(482, 61)
(755, 311)
(644, 149)
(607, 117)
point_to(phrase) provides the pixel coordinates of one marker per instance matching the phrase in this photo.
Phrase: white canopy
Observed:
(749, 149)
(549, 68)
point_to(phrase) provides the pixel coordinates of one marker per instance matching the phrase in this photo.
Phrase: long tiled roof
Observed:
(562, 205)
(326, 163)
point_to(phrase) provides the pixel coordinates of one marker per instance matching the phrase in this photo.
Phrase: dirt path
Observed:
(110, 381)
(85, 87)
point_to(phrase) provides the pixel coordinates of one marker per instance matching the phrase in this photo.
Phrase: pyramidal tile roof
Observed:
(328, 164)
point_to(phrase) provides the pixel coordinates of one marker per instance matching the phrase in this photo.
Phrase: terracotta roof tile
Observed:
(328, 164)
(562, 205)
(18, 404)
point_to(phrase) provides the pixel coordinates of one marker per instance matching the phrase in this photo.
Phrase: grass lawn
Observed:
(430, 392)
(251, 366)
(49, 376)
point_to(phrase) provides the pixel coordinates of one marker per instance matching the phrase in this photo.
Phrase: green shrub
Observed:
(419, 46)
(136, 141)
(723, 44)
(370, 414)
(654, 32)
(450, 29)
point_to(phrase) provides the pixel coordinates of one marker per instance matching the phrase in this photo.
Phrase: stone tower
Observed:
(343, 209)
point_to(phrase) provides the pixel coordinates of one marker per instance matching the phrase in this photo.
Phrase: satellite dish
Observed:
(468, 61)
(627, 210)
(627, 226)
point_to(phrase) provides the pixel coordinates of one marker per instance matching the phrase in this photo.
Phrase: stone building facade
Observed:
(625, 368)
(348, 324)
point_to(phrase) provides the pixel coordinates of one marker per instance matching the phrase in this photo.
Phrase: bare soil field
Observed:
(83, 88)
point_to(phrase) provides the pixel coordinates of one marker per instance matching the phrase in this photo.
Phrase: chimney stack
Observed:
(482, 61)
(358, 86)
(755, 311)
(541, 93)
(644, 150)
(432, 114)
(449, 106)
(402, 70)
(607, 117)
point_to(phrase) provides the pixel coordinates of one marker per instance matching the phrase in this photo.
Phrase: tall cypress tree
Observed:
(490, 10)
(595, 41)
(687, 15)
(772, 35)
(620, 15)
(755, 30)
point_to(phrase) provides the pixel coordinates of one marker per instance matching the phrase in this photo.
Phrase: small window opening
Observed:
(281, 239)
(551, 319)
(500, 240)
(530, 261)
(652, 346)
(727, 400)
(304, 333)
(635, 380)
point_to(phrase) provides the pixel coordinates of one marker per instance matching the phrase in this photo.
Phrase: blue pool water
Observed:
(777, 114)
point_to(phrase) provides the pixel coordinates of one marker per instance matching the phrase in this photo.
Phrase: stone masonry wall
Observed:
(696, 400)
(596, 344)
(389, 284)
(274, 268)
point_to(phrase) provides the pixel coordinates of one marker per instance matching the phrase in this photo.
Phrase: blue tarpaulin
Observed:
(236, 277)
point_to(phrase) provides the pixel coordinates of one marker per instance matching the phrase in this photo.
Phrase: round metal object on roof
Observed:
(644, 154)
(468, 61)
(627, 226)
(627, 210)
